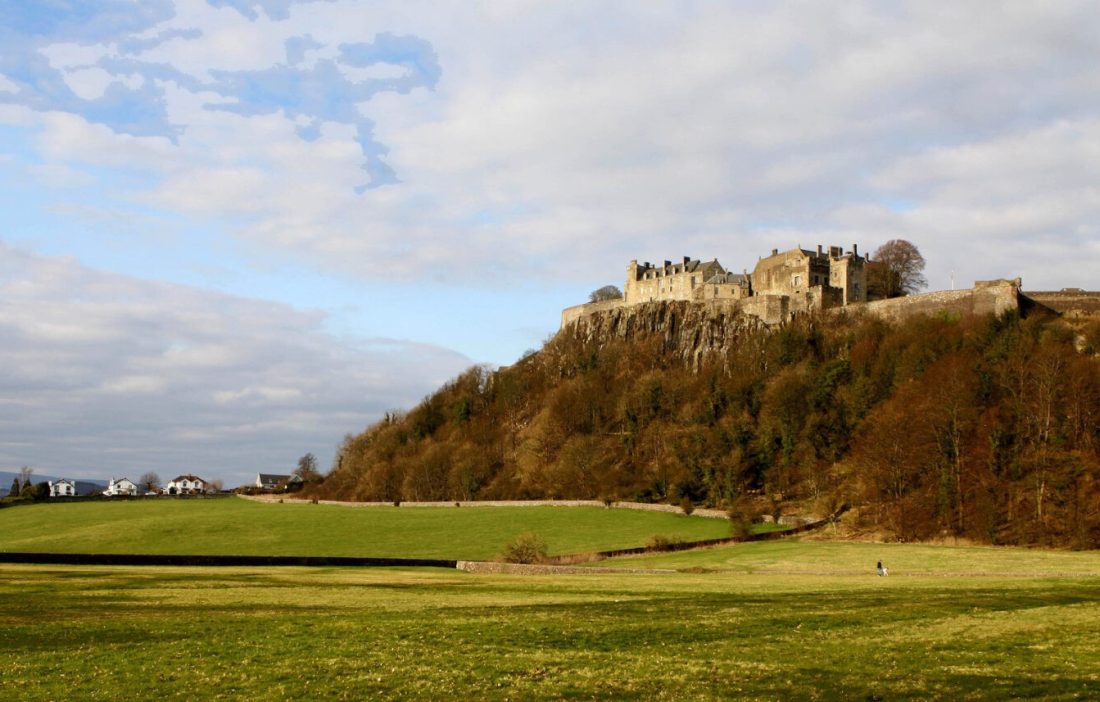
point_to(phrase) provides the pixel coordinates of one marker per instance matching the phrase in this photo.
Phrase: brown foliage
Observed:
(987, 429)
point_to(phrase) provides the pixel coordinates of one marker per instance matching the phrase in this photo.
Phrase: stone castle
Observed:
(780, 286)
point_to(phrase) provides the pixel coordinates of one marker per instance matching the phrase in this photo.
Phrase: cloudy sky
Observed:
(235, 230)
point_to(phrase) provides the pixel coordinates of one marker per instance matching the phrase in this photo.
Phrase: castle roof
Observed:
(688, 265)
(726, 278)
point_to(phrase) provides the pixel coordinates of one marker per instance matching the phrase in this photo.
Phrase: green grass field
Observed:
(785, 620)
(800, 557)
(233, 526)
(87, 633)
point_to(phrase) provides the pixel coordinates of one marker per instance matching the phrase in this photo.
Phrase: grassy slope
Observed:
(244, 634)
(846, 558)
(239, 527)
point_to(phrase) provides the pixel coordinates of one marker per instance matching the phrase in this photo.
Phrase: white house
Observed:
(185, 485)
(62, 488)
(270, 481)
(121, 486)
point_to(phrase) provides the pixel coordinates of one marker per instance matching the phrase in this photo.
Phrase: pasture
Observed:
(791, 619)
(158, 633)
(233, 526)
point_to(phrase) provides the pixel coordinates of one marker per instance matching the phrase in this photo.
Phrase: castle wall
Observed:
(709, 292)
(986, 297)
(572, 314)
(769, 309)
(1071, 302)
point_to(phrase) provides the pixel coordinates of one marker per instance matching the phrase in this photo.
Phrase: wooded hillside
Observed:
(987, 428)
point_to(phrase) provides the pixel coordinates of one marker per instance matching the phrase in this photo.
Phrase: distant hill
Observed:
(945, 424)
(83, 487)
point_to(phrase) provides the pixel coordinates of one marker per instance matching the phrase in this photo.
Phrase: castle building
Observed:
(837, 277)
(781, 285)
(724, 286)
(672, 281)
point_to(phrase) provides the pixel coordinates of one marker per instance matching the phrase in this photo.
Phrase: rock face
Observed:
(688, 330)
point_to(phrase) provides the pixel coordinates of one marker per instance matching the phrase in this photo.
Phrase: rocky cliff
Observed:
(688, 330)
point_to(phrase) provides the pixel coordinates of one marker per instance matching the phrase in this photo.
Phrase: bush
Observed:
(525, 548)
(742, 514)
(687, 506)
(658, 542)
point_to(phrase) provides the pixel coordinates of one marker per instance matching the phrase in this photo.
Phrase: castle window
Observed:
(797, 280)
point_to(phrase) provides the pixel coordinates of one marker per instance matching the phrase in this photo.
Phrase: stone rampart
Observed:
(1070, 302)
(986, 297)
(572, 314)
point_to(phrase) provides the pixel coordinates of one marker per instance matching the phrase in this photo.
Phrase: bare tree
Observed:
(307, 468)
(896, 269)
(25, 475)
(607, 292)
(150, 481)
(214, 485)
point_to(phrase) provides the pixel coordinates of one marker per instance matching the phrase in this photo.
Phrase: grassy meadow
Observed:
(234, 526)
(792, 619)
(159, 633)
(812, 557)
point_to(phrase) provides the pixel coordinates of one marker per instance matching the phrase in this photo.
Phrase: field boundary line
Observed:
(140, 559)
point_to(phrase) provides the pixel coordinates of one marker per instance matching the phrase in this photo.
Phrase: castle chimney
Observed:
(687, 260)
(775, 252)
(819, 250)
(855, 249)
(667, 264)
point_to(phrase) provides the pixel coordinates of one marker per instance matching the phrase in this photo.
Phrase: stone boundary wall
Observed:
(572, 314)
(640, 506)
(537, 569)
(994, 297)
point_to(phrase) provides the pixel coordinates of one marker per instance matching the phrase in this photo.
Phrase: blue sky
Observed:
(235, 230)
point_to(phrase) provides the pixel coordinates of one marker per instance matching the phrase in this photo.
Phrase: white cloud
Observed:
(59, 175)
(106, 374)
(65, 137)
(219, 191)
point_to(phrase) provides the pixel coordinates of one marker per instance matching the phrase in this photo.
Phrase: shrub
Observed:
(742, 514)
(658, 542)
(687, 506)
(525, 548)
